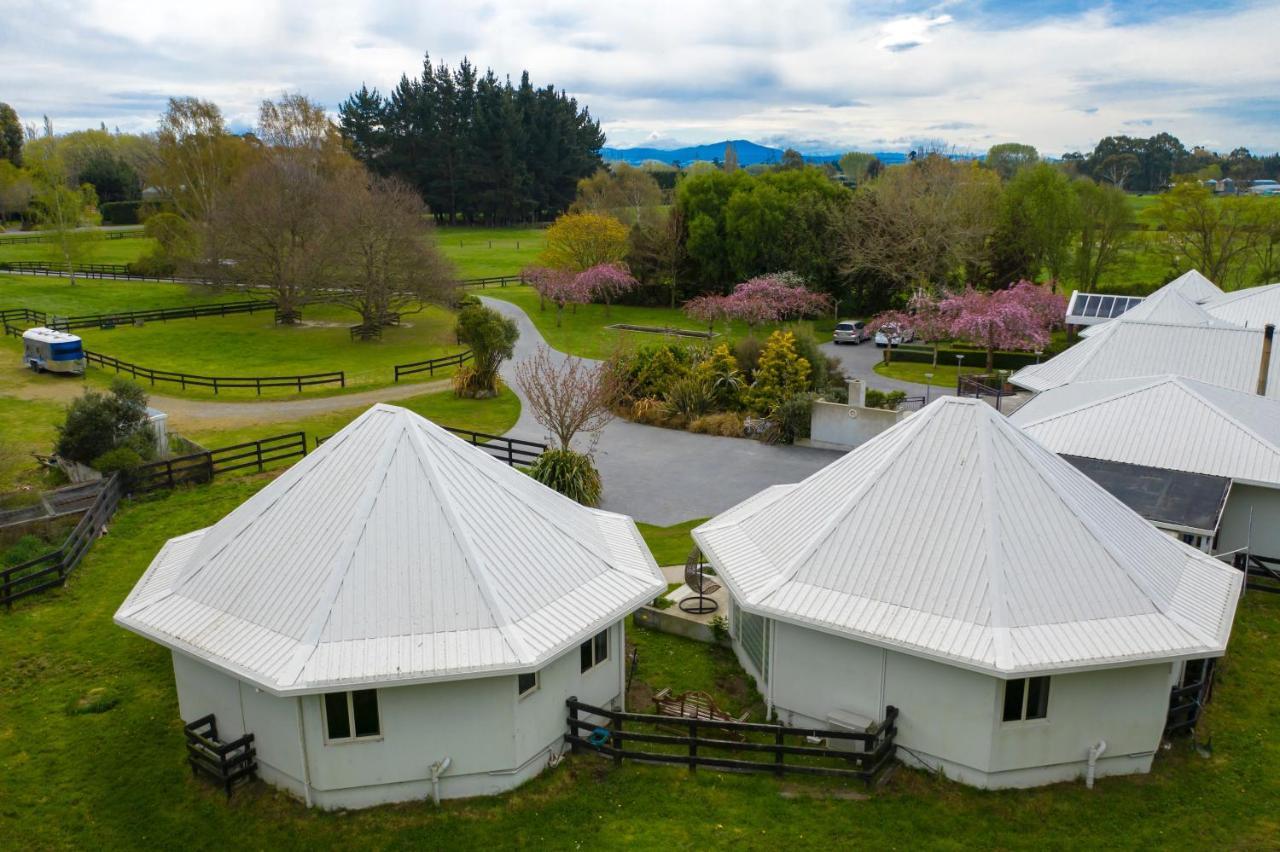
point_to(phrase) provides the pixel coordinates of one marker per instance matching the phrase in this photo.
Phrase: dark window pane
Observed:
(585, 653)
(1013, 700)
(365, 704)
(602, 646)
(1037, 698)
(335, 713)
(526, 682)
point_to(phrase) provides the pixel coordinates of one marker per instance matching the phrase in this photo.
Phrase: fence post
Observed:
(693, 746)
(617, 742)
(777, 756)
(573, 717)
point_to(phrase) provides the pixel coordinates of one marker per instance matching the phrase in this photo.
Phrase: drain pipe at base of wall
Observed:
(306, 764)
(1095, 752)
(437, 769)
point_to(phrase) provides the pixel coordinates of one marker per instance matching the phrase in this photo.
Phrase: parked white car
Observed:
(891, 335)
(850, 331)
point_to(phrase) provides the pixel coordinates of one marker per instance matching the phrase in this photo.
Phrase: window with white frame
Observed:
(1026, 698)
(595, 650)
(351, 715)
(526, 683)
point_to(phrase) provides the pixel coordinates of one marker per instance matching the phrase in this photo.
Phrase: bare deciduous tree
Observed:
(568, 396)
(389, 264)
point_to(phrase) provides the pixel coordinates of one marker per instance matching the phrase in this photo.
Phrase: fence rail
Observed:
(110, 320)
(431, 365)
(1265, 569)
(877, 749)
(22, 239)
(493, 281)
(90, 270)
(978, 386)
(202, 467)
(185, 380)
(53, 568)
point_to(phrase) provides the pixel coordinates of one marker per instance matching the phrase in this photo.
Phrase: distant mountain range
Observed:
(749, 154)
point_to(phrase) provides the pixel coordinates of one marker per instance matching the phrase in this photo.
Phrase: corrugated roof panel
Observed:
(394, 553)
(1164, 422)
(960, 538)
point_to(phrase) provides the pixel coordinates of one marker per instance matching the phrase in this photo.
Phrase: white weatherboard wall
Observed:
(951, 717)
(1251, 519)
(495, 739)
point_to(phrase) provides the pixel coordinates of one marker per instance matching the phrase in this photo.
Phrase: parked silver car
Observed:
(891, 335)
(850, 331)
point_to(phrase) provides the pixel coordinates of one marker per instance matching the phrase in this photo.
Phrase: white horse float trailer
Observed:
(55, 351)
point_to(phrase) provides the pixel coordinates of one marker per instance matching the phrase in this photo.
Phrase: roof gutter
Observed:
(1268, 335)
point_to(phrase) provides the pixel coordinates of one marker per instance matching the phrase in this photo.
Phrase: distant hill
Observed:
(749, 154)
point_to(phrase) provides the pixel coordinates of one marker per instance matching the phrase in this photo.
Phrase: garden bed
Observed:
(675, 332)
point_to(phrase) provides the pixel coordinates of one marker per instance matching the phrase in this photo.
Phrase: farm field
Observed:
(125, 250)
(57, 791)
(490, 252)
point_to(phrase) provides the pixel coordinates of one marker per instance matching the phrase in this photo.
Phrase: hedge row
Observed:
(120, 212)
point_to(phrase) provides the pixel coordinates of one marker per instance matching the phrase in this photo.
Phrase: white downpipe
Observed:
(437, 769)
(771, 657)
(622, 669)
(1095, 752)
(306, 764)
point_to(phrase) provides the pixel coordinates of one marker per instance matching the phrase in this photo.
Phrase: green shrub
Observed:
(747, 353)
(689, 397)
(720, 369)
(121, 212)
(570, 473)
(650, 370)
(791, 419)
(650, 411)
(98, 422)
(122, 460)
(492, 338)
(727, 424)
(780, 375)
(884, 399)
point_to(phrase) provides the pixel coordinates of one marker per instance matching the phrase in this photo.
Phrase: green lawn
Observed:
(118, 780)
(944, 376)
(124, 250)
(585, 332)
(489, 252)
(89, 296)
(492, 416)
(670, 545)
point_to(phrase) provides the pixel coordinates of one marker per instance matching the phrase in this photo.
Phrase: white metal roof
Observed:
(1166, 305)
(1194, 286)
(394, 553)
(1254, 307)
(1229, 356)
(1161, 421)
(48, 335)
(955, 536)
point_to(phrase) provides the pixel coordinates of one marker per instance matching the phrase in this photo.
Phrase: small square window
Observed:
(602, 646)
(1026, 698)
(526, 683)
(351, 715)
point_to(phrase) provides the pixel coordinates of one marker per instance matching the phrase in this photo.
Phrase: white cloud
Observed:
(836, 75)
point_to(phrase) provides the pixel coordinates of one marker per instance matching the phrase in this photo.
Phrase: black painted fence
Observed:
(121, 271)
(202, 467)
(186, 380)
(109, 320)
(431, 365)
(866, 755)
(37, 237)
(52, 569)
(225, 762)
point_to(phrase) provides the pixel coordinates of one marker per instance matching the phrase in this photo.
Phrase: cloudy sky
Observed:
(877, 75)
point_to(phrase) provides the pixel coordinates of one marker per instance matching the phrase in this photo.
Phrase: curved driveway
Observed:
(665, 476)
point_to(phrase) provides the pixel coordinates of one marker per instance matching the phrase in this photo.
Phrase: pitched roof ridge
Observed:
(1145, 383)
(1023, 445)
(911, 429)
(343, 556)
(504, 619)
(995, 564)
(1186, 385)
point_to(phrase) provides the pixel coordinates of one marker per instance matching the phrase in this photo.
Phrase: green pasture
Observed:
(118, 779)
(490, 252)
(97, 250)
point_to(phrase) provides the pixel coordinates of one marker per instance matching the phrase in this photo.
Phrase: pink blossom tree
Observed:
(1016, 318)
(710, 309)
(606, 281)
(775, 297)
(558, 287)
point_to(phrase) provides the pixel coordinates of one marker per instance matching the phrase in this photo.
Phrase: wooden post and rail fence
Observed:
(866, 756)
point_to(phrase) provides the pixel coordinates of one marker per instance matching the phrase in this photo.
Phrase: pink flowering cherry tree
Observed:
(557, 287)
(1017, 318)
(606, 282)
(775, 297)
(710, 309)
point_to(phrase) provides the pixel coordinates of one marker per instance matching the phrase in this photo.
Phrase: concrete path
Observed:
(665, 476)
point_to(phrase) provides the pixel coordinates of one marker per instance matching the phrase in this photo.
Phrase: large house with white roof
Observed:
(1173, 428)
(399, 608)
(1026, 624)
